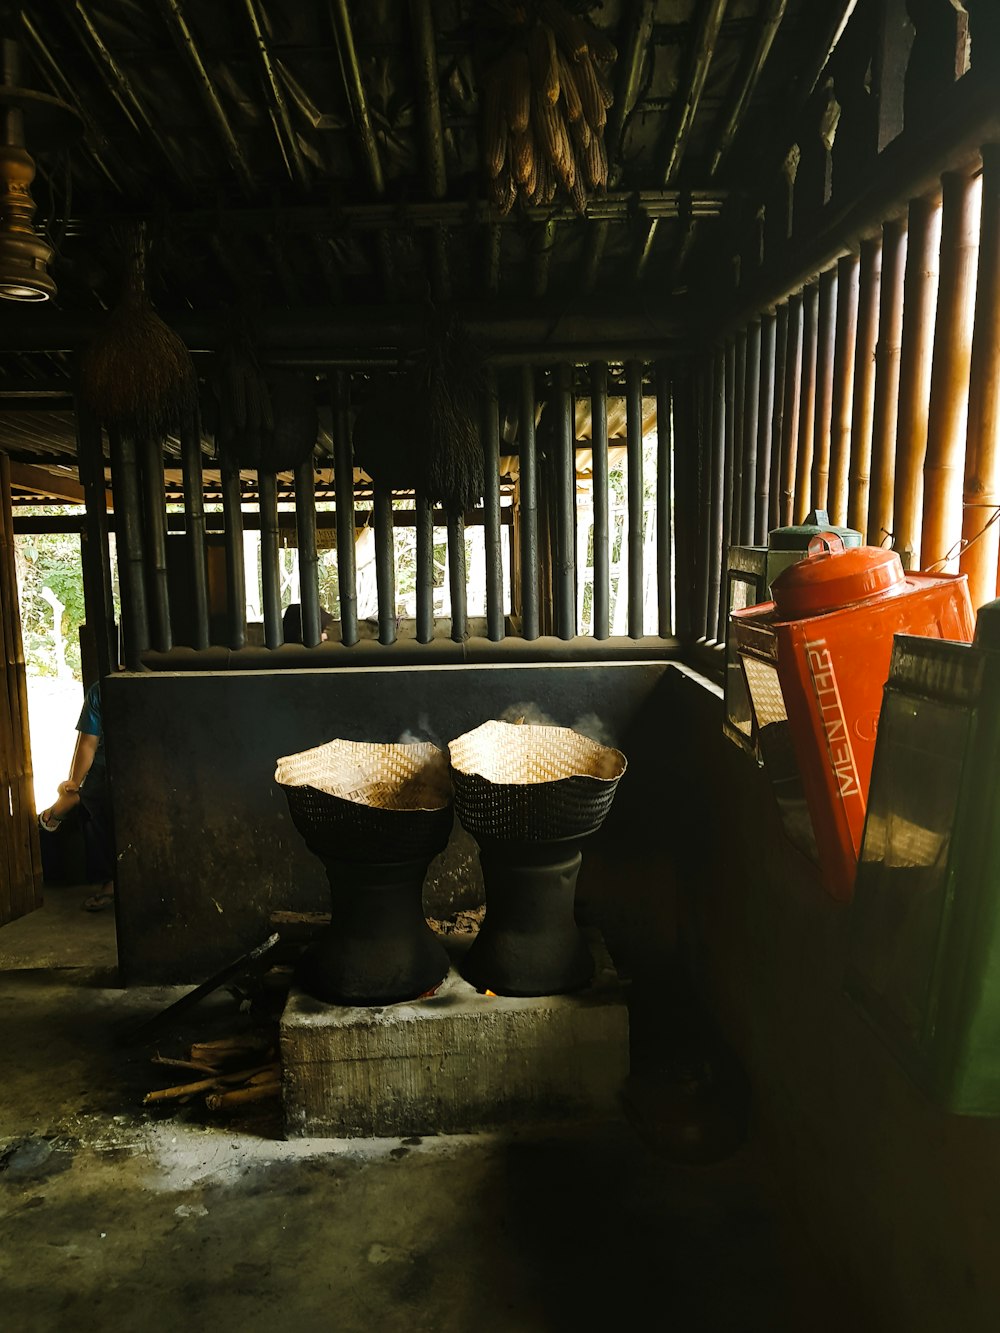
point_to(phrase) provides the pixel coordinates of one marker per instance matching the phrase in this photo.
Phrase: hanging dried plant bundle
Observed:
(421, 431)
(545, 107)
(453, 383)
(136, 374)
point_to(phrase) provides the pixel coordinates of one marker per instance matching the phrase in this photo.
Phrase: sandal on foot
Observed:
(98, 902)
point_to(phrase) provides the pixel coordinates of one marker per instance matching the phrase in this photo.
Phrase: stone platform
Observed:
(456, 1061)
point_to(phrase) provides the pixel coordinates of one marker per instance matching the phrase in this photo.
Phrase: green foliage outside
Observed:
(50, 563)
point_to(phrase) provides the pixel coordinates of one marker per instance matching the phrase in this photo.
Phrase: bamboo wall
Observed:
(870, 391)
(542, 528)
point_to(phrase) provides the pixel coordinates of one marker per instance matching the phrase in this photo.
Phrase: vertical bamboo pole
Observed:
(807, 404)
(528, 487)
(97, 594)
(739, 395)
(941, 529)
(425, 569)
(825, 340)
(270, 575)
(343, 480)
(765, 419)
(564, 428)
(982, 458)
(706, 539)
(385, 564)
(633, 428)
(491, 510)
(599, 453)
(457, 579)
(790, 415)
(919, 296)
(194, 523)
(305, 536)
(774, 503)
(128, 541)
(724, 408)
(715, 453)
(887, 359)
(863, 400)
(845, 344)
(664, 499)
(751, 407)
(150, 460)
(23, 851)
(686, 499)
(232, 510)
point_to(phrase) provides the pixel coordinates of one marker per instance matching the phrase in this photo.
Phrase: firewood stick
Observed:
(201, 1085)
(198, 1066)
(226, 1046)
(181, 1090)
(259, 1092)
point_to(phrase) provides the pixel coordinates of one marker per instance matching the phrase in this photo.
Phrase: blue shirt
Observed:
(89, 724)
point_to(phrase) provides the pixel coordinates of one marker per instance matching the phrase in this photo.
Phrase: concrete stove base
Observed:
(456, 1061)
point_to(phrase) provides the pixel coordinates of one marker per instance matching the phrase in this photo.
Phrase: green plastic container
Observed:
(924, 949)
(750, 571)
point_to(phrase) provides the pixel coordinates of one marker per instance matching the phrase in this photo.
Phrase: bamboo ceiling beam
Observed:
(812, 73)
(324, 219)
(61, 86)
(177, 25)
(701, 59)
(425, 50)
(284, 130)
(361, 330)
(121, 89)
(630, 65)
(39, 481)
(739, 99)
(350, 70)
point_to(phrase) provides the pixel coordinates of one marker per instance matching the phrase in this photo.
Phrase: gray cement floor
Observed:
(118, 1217)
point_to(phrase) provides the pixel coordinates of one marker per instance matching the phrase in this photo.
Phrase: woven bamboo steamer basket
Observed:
(366, 801)
(523, 782)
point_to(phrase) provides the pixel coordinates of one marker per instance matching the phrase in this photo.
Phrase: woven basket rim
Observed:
(528, 734)
(428, 778)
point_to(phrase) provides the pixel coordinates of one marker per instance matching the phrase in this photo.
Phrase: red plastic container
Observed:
(815, 661)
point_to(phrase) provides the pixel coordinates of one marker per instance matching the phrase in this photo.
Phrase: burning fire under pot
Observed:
(376, 815)
(530, 796)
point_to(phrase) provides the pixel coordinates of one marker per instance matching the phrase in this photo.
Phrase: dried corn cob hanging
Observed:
(545, 104)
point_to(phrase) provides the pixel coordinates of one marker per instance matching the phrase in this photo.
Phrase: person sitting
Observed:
(87, 784)
(291, 623)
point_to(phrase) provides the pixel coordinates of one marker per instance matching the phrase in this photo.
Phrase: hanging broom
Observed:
(451, 381)
(136, 375)
(421, 431)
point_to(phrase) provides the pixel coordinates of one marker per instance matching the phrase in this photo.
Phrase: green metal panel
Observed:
(924, 951)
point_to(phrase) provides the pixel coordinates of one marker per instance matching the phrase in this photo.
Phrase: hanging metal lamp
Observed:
(24, 255)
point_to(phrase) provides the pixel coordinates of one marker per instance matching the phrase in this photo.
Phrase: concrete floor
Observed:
(119, 1217)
